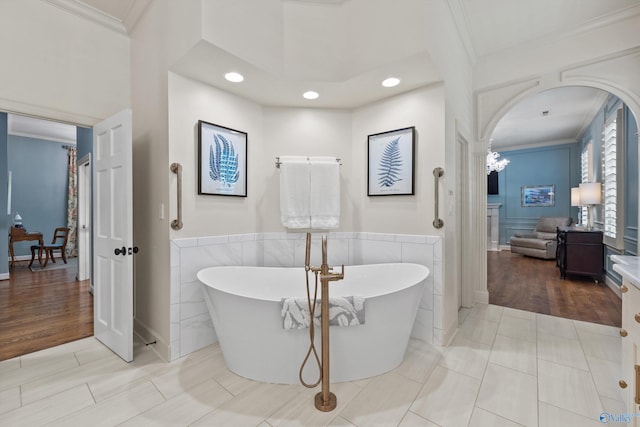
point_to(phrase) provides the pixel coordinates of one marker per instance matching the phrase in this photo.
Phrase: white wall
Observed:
(305, 132)
(163, 34)
(60, 66)
(190, 101)
(447, 50)
(615, 34)
(290, 131)
(424, 109)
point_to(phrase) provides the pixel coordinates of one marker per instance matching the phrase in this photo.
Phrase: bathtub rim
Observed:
(426, 271)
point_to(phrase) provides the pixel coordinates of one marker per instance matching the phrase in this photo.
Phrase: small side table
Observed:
(18, 234)
(580, 252)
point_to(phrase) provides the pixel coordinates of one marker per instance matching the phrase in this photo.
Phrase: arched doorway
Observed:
(493, 103)
(555, 140)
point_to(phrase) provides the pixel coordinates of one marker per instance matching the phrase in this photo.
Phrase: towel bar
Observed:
(437, 222)
(176, 168)
(278, 162)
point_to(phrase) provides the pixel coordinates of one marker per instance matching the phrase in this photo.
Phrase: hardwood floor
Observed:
(533, 284)
(42, 309)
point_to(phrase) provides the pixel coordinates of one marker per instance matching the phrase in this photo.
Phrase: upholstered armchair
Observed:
(541, 243)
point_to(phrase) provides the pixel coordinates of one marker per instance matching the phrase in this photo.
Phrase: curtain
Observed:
(72, 205)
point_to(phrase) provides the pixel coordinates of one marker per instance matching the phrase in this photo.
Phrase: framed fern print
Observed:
(391, 162)
(222, 160)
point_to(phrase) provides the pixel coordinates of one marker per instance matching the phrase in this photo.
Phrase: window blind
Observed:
(585, 176)
(612, 180)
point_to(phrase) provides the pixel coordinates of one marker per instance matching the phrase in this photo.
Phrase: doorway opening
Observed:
(544, 137)
(44, 305)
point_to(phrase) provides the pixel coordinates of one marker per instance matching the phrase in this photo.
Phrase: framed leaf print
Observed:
(222, 160)
(391, 163)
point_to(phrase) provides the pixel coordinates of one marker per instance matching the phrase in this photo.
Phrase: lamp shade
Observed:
(575, 197)
(591, 193)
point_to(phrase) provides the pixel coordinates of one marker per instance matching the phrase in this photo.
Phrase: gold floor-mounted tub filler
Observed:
(325, 401)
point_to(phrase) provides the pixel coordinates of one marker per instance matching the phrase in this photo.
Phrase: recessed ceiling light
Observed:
(391, 82)
(234, 77)
(310, 94)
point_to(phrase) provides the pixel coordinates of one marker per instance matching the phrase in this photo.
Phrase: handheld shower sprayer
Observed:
(307, 254)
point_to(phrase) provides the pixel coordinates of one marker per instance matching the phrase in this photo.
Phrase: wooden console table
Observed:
(19, 235)
(580, 252)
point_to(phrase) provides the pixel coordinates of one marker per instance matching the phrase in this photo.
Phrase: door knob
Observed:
(133, 250)
(119, 251)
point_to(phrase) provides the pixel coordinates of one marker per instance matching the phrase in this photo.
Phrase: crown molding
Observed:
(137, 10)
(330, 2)
(541, 144)
(591, 25)
(609, 19)
(462, 25)
(83, 10)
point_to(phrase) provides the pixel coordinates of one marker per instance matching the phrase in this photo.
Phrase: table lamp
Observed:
(591, 195)
(575, 200)
(17, 220)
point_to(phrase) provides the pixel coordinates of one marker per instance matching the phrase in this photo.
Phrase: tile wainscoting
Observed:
(191, 326)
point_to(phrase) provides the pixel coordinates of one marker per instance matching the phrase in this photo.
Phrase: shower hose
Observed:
(312, 346)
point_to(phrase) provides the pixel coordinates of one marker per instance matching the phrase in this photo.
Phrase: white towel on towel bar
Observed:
(343, 311)
(295, 202)
(325, 192)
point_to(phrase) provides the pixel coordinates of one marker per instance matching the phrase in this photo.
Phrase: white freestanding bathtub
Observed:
(245, 306)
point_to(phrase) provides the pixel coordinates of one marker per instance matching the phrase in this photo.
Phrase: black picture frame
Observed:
(391, 163)
(222, 160)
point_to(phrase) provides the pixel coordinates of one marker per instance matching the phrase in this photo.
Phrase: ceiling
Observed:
(487, 26)
(552, 117)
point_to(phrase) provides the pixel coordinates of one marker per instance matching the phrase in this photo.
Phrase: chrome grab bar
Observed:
(176, 168)
(437, 222)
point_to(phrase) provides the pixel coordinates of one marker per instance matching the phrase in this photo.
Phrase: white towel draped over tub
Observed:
(309, 192)
(343, 311)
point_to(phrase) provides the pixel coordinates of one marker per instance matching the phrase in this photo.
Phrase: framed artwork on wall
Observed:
(391, 163)
(222, 160)
(538, 196)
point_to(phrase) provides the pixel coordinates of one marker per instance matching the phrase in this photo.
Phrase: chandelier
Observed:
(493, 164)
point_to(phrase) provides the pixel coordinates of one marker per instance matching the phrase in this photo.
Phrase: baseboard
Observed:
(20, 258)
(4, 276)
(148, 335)
(505, 247)
(449, 334)
(481, 297)
(613, 286)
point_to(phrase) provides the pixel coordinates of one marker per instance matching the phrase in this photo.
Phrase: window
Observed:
(585, 176)
(612, 185)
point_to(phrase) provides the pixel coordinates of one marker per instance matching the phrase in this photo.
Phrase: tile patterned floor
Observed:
(504, 368)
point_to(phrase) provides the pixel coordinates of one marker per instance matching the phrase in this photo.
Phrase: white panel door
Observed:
(113, 234)
(84, 219)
